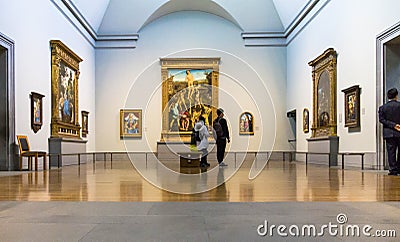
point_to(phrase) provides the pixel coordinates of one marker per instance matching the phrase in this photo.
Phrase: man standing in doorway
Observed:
(222, 137)
(389, 116)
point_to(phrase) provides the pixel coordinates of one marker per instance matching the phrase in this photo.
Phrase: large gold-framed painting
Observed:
(324, 74)
(64, 91)
(190, 90)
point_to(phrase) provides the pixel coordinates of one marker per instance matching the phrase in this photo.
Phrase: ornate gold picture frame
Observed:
(36, 111)
(130, 123)
(189, 90)
(324, 94)
(64, 91)
(352, 106)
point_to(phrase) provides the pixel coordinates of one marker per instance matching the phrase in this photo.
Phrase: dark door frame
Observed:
(9, 45)
(386, 36)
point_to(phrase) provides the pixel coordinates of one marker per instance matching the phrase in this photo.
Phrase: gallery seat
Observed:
(24, 151)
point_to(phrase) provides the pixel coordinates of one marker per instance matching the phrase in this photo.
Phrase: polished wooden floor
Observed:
(279, 181)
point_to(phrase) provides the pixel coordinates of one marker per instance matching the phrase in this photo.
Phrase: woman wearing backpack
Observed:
(202, 145)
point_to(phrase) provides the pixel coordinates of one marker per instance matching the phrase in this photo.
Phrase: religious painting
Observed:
(324, 94)
(85, 123)
(246, 124)
(64, 91)
(130, 123)
(306, 120)
(352, 106)
(36, 111)
(189, 92)
(189, 99)
(323, 97)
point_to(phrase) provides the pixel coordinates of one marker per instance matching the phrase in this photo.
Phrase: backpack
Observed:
(218, 132)
(195, 137)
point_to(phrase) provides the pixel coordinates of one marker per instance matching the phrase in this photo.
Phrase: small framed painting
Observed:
(85, 123)
(130, 123)
(352, 106)
(36, 111)
(306, 120)
(246, 124)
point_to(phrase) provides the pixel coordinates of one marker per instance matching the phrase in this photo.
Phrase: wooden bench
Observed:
(24, 151)
(190, 159)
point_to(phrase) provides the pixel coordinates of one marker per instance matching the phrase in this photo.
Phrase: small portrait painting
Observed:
(352, 106)
(131, 123)
(246, 124)
(36, 111)
(85, 123)
(306, 121)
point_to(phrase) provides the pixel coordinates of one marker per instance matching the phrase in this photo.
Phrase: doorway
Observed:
(7, 105)
(388, 76)
(293, 129)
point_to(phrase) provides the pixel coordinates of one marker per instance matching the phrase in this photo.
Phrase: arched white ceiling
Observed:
(184, 5)
(129, 16)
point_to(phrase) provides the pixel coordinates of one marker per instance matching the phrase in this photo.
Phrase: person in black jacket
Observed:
(389, 116)
(221, 141)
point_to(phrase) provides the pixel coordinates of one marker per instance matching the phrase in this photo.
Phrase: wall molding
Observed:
(305, 16)
(75, 17)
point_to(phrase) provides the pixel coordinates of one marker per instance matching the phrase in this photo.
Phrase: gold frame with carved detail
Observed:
(62, 56)
(325, 64)
(189, 64)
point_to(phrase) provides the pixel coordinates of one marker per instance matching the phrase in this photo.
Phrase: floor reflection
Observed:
(279, 181)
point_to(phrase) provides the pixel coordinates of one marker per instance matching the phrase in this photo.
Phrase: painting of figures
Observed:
(130, 123)
(66, 94)
(246, 124)
(189, 97)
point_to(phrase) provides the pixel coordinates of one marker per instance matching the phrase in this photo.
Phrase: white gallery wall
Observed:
(31, 25)
(351, 28)
(251, 79)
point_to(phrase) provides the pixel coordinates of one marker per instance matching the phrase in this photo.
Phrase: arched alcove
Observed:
(183, 5)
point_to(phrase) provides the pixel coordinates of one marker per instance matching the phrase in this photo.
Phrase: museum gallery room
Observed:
(199, 120)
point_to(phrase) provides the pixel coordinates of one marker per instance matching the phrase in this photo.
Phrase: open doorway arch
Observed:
(387, 76)
(7, 106)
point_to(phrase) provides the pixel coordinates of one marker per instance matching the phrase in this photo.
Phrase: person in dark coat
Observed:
(389, 116)
(221, 141)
